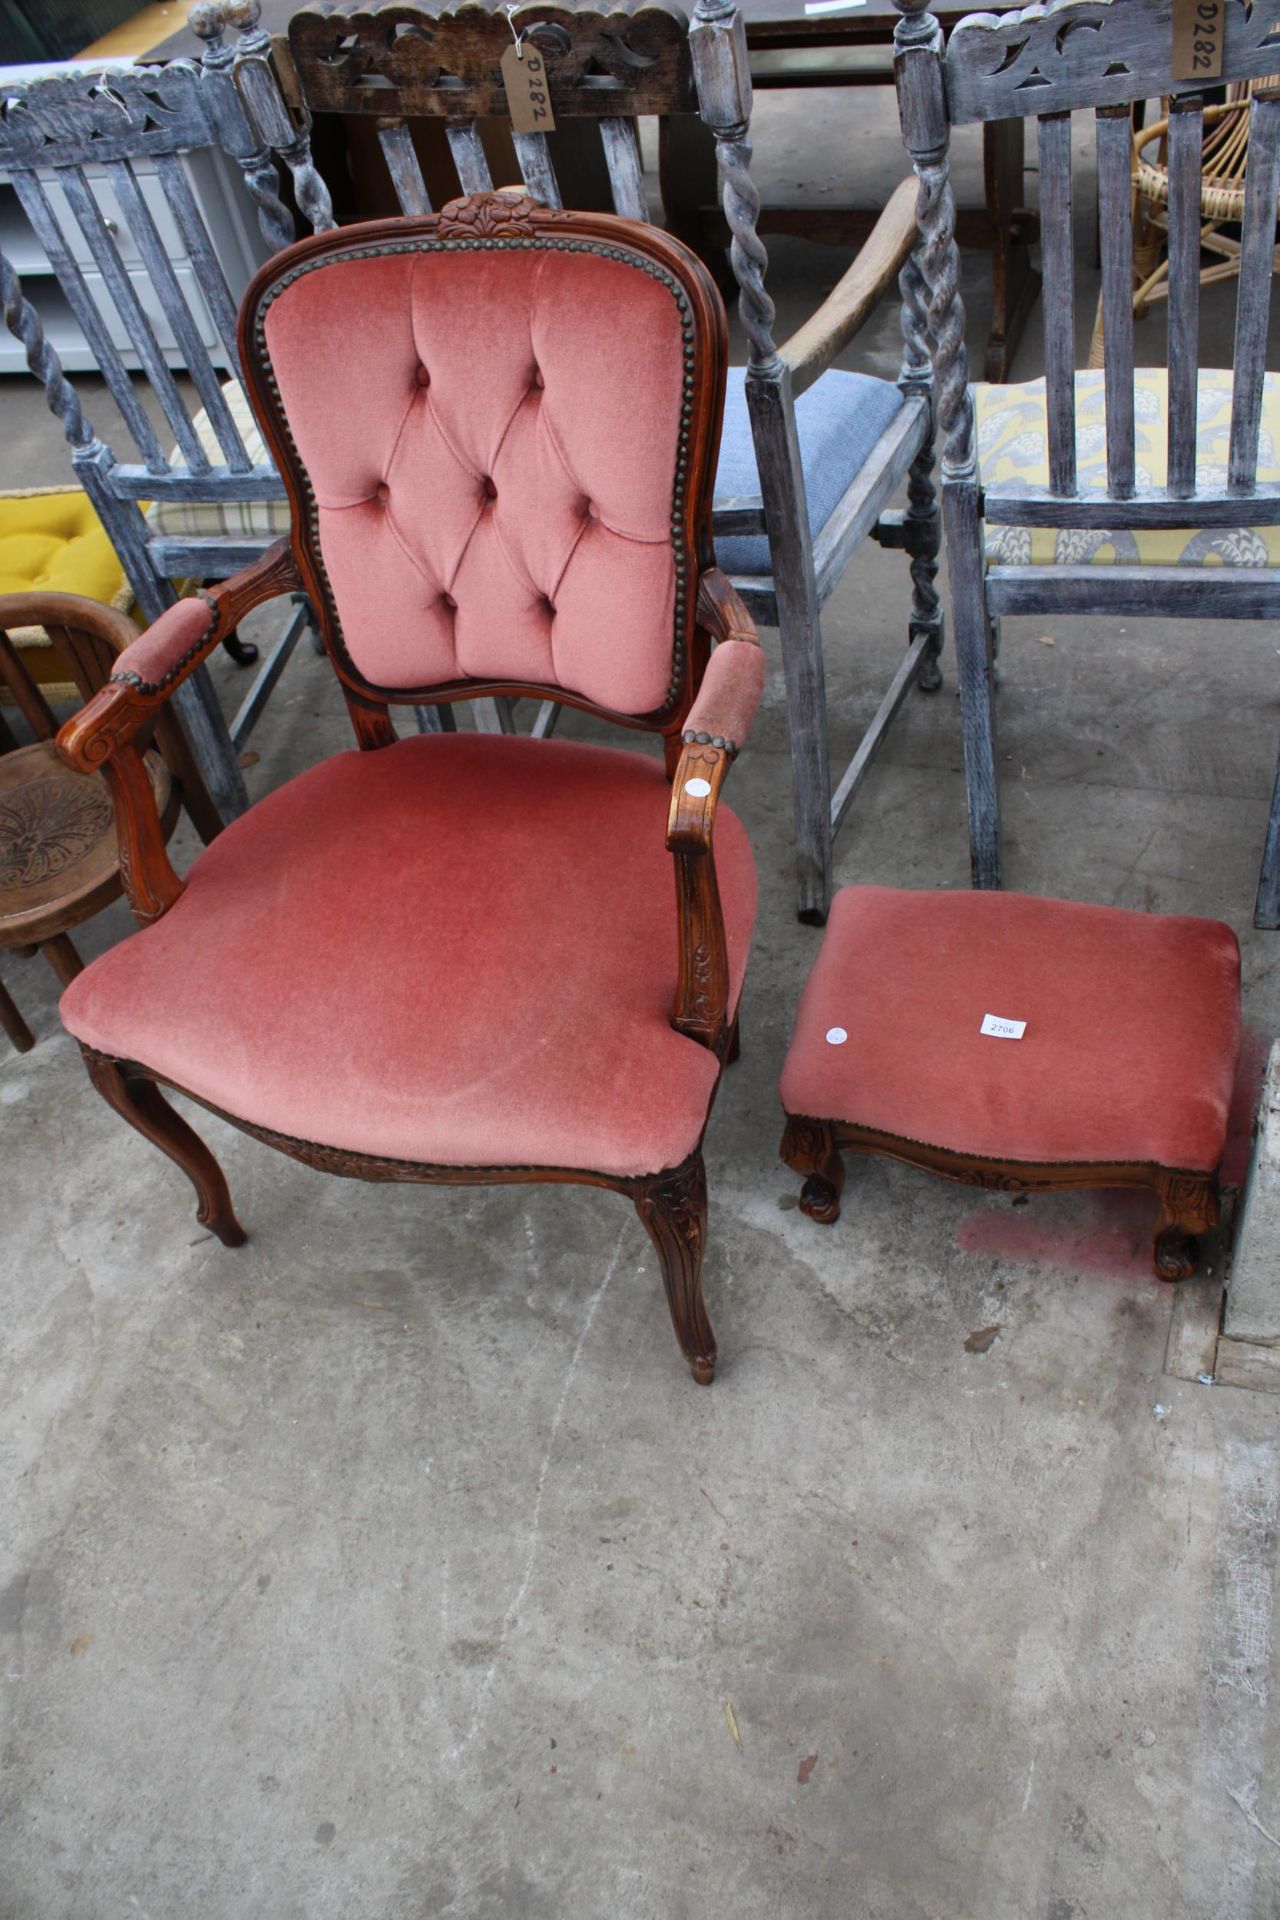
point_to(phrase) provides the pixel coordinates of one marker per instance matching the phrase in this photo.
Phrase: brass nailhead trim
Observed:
(552, 243)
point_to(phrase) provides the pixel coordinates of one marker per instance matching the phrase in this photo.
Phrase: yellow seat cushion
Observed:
(1013, 454)
(207, 519)
(52, 541)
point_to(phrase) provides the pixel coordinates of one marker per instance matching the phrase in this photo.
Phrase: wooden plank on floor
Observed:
(1246, 1363)
(1193, 1331)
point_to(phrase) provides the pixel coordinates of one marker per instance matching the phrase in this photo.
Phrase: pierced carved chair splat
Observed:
(1133, 493)
(533, 520)
(811, 456)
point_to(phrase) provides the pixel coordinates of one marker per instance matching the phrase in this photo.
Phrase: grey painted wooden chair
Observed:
(1098, 493)
(799, 486)
(99, 163)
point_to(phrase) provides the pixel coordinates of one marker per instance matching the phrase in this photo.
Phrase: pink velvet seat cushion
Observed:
(460, 949)
(1132, 1028)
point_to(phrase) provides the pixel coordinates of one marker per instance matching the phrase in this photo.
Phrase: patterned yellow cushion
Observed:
(242, 519)
(1013, 454)
(52, 541)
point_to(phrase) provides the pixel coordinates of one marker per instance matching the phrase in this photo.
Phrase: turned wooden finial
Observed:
(243, 14)
(208, 18)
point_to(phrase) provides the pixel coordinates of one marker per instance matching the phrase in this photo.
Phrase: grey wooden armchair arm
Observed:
(856, 295)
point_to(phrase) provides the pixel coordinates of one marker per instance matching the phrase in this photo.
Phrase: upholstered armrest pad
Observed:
(158, 656)
(722, 714)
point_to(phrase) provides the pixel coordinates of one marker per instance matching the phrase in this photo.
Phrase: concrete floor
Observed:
(392, 1566)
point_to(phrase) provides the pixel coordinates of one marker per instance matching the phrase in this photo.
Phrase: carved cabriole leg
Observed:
(673, 1207)
(809, 1147)
(143, 1105)
(1188, 1208)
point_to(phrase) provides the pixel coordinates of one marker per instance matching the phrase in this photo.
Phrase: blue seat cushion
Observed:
(838, 422)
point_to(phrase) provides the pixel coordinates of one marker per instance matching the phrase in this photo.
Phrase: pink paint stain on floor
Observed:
(1107, 1232)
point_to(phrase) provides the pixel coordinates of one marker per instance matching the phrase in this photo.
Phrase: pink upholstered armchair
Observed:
(463, 957)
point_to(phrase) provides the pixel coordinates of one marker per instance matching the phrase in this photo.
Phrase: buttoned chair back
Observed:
(521, 512)
(1104, 492)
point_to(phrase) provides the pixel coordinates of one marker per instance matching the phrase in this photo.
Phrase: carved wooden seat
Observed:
(812, 456)
(1163, 480)
(459, 957)
(59, 863)
(1111, 1064)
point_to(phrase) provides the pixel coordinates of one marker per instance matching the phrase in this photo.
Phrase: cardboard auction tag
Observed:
(524, 75)
(1198, 33)
(1000, 1029)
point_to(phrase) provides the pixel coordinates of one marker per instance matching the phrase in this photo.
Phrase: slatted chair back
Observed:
(1048, 62)
(97, 161)
(398, 63)
(401, 63)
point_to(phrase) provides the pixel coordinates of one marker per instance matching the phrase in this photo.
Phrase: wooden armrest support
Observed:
(103, 736)
(160, 659)
(722, 714)
(715, 727)
(854, 298)
(702, 992)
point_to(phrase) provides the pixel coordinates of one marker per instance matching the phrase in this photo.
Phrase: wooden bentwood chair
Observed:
(463, 957)
(1155, 493)
(812, 455)
(58, 858)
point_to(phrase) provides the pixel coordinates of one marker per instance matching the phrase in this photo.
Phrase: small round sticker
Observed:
(836, 1036)
(698, 788)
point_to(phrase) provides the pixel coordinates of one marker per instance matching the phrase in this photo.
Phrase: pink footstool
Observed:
(1021, 1044)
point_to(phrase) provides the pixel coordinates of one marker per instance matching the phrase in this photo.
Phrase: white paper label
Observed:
(1002, 1029)
(698, 788)
(836, 1036)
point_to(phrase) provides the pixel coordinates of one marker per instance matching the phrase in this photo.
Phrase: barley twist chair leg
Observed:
(975, 669)
(673, 1207)
(142, 1104)
(924, 540)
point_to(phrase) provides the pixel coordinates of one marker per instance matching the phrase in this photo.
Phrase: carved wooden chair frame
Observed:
(671, 1202)
(1050, 60)
(380, 60)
